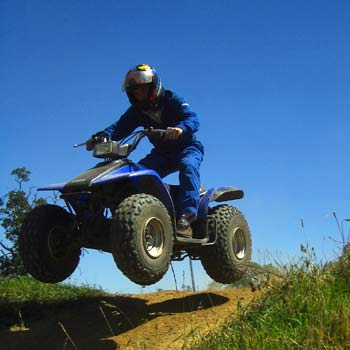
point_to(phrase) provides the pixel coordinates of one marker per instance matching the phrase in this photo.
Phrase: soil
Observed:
(157, 321)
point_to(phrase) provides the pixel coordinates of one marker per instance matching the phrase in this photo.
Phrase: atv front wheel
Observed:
(46, 246)
(228, 259)
(142, 238)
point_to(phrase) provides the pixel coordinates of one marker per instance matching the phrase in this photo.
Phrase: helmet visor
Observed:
(135, 78)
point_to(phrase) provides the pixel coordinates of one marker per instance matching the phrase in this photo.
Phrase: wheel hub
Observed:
(239, 243)
(58, 242)
(153, 238)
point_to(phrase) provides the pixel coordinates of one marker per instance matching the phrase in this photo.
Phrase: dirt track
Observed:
(157, 321)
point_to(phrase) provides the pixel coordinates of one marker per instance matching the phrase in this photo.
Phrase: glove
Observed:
(90, 144)
(173, 133)
(94, 139)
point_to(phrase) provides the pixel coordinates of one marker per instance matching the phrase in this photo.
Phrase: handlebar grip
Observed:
(151, 131)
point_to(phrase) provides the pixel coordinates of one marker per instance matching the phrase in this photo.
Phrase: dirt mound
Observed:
(163, 320)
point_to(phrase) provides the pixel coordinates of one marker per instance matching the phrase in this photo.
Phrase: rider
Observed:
(178, 150)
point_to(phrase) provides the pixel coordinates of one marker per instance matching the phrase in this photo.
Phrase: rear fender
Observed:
(217, 194)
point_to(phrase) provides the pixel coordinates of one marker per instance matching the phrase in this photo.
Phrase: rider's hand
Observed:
(96, 138)
(90, 144)
(172, 133)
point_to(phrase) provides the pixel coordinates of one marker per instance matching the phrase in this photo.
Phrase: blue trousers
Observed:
(187, 163)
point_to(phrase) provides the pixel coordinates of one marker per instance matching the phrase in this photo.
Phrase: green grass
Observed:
(25, 295)
(308, 307)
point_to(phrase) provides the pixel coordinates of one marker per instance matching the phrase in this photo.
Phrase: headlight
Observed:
(103, 149)
(110, 149)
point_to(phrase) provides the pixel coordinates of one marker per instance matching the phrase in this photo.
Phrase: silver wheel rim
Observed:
(153, 238)
(239, 243)
(57, 242)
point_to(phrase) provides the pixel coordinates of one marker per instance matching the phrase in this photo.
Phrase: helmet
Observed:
(140, 75)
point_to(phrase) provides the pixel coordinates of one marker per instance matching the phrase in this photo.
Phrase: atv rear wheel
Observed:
(227, 260)
(46, 246)
(142, 238)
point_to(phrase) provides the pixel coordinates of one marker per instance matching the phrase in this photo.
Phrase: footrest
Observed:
(191, 240)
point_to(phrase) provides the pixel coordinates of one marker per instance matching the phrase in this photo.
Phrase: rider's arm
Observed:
(188, 121)
(127, 123)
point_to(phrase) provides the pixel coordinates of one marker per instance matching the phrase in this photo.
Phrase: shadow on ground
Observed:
(89, 324)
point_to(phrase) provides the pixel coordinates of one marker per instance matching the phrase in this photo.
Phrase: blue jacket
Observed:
(174, 112)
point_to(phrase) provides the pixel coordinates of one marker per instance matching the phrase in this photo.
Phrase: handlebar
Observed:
(96, 139)
(120, 149)
(145, 132)
(79, 144)
(151, 131)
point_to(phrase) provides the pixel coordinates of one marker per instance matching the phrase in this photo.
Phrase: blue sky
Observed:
(268, 79)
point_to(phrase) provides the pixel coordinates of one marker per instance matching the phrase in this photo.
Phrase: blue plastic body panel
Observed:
(217, 194)
(144, 181)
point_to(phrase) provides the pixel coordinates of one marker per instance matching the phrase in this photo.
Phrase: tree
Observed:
(14, 206)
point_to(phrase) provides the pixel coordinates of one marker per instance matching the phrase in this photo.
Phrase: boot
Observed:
(183, 225)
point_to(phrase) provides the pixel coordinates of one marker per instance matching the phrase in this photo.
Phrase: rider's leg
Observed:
(189, 178)
(187, 162)
(159, 162)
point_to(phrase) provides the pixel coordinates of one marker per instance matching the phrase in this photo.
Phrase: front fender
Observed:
(217, 194)
(143, 180)
(52, 187)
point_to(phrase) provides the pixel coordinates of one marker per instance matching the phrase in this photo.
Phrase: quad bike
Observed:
(125, 209)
